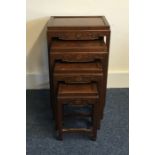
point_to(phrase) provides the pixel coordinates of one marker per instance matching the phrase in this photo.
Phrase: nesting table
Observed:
(78, 52)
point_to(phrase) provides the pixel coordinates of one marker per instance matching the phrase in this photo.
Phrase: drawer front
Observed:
(76, 35)
(78, 57)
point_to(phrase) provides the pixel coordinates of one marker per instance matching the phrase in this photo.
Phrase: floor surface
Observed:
(112, 138)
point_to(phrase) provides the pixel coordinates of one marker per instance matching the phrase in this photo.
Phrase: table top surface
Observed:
(78, 21)
(87, 44)
(82, 67)
(82, 89)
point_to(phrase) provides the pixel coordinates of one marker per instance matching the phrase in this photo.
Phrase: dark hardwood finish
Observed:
(78, 22)
(85, 45)
(77, 94)
(88, 67)
(80, 73)
(82, 31)
(77, 89)
(78, 52)
(79, 57)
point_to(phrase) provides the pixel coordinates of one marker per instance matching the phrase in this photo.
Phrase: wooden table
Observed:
(79, 39)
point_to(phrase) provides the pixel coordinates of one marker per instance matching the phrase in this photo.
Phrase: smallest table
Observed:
(77, 95)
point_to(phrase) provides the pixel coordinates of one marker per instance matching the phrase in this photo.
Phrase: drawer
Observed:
(78, 56)
(76, 35)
